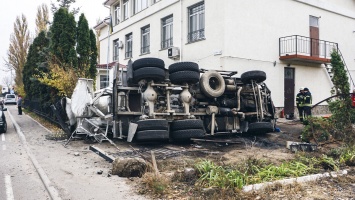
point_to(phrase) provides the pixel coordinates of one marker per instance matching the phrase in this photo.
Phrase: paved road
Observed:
(72, 177)
(18, 177)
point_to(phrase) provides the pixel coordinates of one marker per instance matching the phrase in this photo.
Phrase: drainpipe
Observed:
(181, 32)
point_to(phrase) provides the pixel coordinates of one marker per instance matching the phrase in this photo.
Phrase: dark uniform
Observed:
(19, 105)
(299, 103)
(307, 105)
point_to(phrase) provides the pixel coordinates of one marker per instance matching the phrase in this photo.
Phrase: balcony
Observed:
(305, 49)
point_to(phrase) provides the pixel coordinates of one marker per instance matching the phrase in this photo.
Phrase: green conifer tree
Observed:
(83, 45)
(93, 56)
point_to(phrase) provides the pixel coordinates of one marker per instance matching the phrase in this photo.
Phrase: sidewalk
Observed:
(296, 119)
(52, 191)
(72, 171)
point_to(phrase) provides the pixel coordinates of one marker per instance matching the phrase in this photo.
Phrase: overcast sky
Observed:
(10, 9)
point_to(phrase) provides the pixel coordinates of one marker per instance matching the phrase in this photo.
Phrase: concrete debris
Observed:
(189, 173)
(302, 179)
(131, 167)
(99, 172)
(76, 154)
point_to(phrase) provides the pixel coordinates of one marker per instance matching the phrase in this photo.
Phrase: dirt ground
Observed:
(172, 158)
(231, 150)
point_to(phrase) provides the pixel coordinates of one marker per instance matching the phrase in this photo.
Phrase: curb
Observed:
(53, 193)
(301, 179)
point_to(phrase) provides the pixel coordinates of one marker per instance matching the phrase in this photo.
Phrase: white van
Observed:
(10, 99)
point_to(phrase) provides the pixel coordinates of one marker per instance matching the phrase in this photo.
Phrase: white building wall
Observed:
(244, 35)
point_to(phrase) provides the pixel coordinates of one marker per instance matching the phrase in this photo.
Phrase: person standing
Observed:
(299, 103)
(19, 104)
(307, 105)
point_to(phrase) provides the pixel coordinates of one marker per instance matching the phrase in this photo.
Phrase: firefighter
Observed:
(352, 99)
(307, 103)
(299, 103)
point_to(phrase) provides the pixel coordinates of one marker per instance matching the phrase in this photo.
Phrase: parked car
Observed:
(3, 124)
(1, 102)
(10, 99)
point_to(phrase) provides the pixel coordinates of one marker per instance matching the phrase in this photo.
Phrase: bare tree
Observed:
(64, 4)
(42, 18)
(18, 48)
(6, 81)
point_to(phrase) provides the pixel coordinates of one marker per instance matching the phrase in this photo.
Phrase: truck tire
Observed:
(183, 135)
(148, 62)
(256, 75)
(152, 124)
(151, 135)
(183, 66)
(261, 127)
(184, 77)
(212, 84)
(186, 124)
(149, 73)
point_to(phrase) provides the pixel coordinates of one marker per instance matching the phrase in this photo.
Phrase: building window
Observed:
(117, 14)
(167, 32)
(196, 22)
(103, 81)
(128, 52)
(145, 40)
(115, 49)
(140, 5)
(125, 9)
(313, 21)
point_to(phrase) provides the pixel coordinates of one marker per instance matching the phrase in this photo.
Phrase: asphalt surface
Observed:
(18, 176)
(44, 169)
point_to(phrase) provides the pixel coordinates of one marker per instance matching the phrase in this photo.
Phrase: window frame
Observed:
(145, 32)
(197, 32)
(129, 45)
(138, 5)
(117, 14)
(125, 11)
(167, 32)
(104, 83)
(116, 50)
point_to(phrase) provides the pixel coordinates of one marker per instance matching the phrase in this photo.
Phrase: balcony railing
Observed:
(145, 49)
(305, 48)
(167, 43)
(196, 35)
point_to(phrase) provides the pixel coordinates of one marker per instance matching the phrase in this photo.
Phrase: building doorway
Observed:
(289, 92)
(314, 35)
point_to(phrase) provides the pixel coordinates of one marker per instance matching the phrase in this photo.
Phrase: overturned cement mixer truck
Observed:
(148, 102)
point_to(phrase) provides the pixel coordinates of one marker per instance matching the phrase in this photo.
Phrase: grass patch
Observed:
(258, 171)
(348, 156)
(157, 184)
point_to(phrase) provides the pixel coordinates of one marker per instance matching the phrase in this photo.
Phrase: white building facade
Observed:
(290, 40)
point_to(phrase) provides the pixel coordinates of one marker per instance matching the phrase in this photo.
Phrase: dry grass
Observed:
(158, 185)
(56, 132)
(49, 125)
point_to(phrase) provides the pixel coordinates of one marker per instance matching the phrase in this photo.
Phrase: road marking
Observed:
(4, 147)
(3, 137)
(8, 186)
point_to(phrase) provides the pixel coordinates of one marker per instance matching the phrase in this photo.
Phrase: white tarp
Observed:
(70, 114)
(80, 98)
